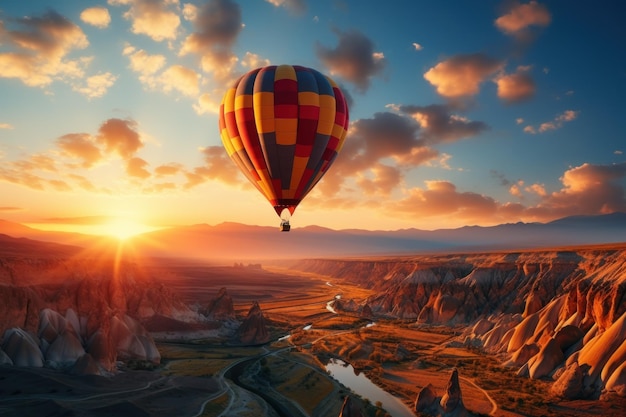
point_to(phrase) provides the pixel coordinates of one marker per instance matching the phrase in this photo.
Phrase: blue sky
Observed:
(462, 112)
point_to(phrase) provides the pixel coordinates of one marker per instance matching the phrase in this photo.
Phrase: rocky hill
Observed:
(554, 314)
(81, 313)
(253, 329)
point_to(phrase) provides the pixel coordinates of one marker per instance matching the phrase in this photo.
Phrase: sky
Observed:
(461, 112)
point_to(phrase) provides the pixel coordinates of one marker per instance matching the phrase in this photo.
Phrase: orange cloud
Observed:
(82, 182)
(522, 16)
(80, 146)
(556, 123)
(354, 58)
(119, 136)
(461, 75)
(157, 19)
(516, 87)
(37, 51)
(96, 16)
(587, 189)
(383, 180)
(59, 185)
(441, 198)
(136, 167)
(168, 170)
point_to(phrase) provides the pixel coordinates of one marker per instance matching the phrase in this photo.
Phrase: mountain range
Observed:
(236, 241)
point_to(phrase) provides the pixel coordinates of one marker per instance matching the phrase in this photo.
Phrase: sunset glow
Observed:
(469, 113)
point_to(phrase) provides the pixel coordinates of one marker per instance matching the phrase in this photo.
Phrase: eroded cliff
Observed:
(554, 314)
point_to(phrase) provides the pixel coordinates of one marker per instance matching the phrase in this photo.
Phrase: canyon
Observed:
(448, 333)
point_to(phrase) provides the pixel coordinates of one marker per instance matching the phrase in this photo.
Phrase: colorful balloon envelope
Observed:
(283, 126)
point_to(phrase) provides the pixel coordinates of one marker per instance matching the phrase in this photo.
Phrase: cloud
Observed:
(59, 185)
(84, 220)
(157, 19)
(96, 85)
(7, 126)
(383, 136)
(523, 15)
(119, 136)
(438, 125)
(587, 189)
(218, 165)
(461, 75)
(442, 199)
(537, 189)
(217, 25)
(208, 103)
(37, 51)
(517, 87)
(142, 62)
(297, 7)
(354, 58)
(253, 61)
(96, 16)
(168, 170)
(10, 208)
(136, 167)
(369, 142)
(417, 46)
(556, 123)
(181, 79)
(383, 180)
(82, 182)
(80, 146)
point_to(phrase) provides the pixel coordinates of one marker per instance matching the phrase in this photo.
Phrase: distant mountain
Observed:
(19, 230)
(235, 241)
(24, 247)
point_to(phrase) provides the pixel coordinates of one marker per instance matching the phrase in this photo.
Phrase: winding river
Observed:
(361, 385)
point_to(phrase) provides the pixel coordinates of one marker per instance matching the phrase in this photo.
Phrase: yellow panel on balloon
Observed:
(263, 99)
(308, 98)
(265, 125)
(286, 131)
(229, 100)
(243, 101)
(285, 72)
(299, 165)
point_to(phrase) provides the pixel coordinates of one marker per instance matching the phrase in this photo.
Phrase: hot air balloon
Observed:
(283, 126)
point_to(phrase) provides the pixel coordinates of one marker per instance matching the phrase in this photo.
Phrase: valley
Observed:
(278, 338)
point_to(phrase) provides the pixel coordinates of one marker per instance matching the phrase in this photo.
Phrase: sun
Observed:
(124, 228)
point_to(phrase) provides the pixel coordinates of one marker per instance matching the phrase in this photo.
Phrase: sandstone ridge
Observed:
(558, 315)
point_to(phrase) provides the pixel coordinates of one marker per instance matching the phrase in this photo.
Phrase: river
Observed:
(362, 386)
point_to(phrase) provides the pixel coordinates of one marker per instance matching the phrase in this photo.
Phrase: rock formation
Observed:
(450, 404)
(22, 348)
(57, 344)
(366, 312)
(350, 408)
(253, 329)
(544, 310)
(72, 313)
(220, 308)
